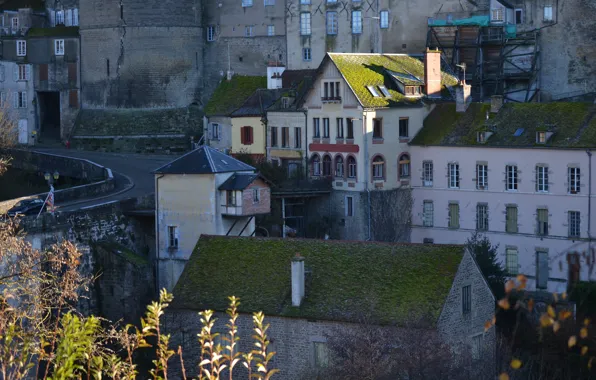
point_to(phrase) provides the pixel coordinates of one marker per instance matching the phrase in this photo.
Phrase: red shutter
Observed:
(242, 135)
(250, 134)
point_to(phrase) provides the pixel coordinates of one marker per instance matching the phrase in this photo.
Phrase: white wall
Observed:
(10, 88)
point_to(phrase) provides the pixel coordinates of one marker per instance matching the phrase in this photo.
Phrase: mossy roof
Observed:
(361, 70)
(231, 94)
(345, 280)
(573, 125)
(58, 31)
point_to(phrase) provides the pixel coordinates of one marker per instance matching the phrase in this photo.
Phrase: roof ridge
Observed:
(210, 159)
(179, 158)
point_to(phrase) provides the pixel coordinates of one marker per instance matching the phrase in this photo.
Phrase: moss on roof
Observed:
(573, 125)
(346, 279)
(231, 94)
(361, 70)
(58, 31)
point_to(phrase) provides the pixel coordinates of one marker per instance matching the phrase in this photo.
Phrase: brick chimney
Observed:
(463, 96)
(496, 102)
(432, 73)
(297, 280)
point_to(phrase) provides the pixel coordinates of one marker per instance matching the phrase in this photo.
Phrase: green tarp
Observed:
(474, 20)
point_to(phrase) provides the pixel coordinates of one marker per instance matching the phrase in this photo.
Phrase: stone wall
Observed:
(67, 166)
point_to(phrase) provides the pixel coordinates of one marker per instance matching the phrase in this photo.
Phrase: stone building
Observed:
(312, 289)
(521, 174)
(203, 192)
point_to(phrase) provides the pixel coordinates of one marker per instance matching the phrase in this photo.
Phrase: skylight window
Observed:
(518, 132)
(385, 91)
(373, 91)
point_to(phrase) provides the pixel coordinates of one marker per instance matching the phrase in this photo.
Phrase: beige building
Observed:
(203, 192)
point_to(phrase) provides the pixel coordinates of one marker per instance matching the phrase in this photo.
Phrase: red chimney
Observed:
(432, 73)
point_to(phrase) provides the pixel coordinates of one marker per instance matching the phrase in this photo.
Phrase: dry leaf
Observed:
(564, 295)
(503, 376)
(531, 304)
(516, 363)
(572, 341)
(586, 322)
(509, 286)
(504, 304)
(583, 333)
(556, 297)
(545, 320)
(487, 325)
(584, 350)
(494, 320)
(556, 326)
(564, 314)
(551, 311)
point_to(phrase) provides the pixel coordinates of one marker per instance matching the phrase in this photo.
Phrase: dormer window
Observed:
(373, 91)
(413, 91)
(541, 137)
(331, 91)
(285, 102)
(482, 136)
(385, 91)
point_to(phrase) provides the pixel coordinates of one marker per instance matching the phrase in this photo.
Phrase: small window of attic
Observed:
(482, 136)
(373, 91)
(413, 91)
(541, 137)
(385, 91)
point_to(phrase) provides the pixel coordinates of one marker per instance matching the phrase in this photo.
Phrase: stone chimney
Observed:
(463, 96)
(496, 102)
(432, 73)
(297, 280)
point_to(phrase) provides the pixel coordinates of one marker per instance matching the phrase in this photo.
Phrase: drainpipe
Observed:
(366, 167)
(157, 232)
(589, 153)
(305, 160)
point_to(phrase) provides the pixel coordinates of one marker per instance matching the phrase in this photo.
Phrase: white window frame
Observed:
(427, 173)
(482, 221)
(428, 214)
(378, 169)
(573, 180)
(574, 221)
(521, 19)
(246, 3)
(351, 168)
(306, 54)
(339, 167)
(24, 72)
(305, 24)
(541, 179)
(269, 3)
(249, 31)
(59, 47)
(173, 237)
(497, 15)
(210, 33)
(453, 172)
(21, 48)
(271, 30)
(548, 13)
(20, 99)
(356, 22)
(349, 206)
(331, 23)
(256, 195)
(59, 18)
(316, 167)
(384, 19)
(215, 131)
(511, 261)
(14, 25)
(511, 178)
(481, 177)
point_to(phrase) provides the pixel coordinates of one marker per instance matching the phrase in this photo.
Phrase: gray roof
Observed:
(238, 181)
(258, 102)
(204, 160)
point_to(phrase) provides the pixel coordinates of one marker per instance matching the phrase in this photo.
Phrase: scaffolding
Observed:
(499, 60)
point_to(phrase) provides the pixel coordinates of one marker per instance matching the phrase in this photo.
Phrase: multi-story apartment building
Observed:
(521, 174)
(363, 110)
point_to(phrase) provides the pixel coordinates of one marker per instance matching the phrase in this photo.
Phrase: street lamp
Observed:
(51, 178)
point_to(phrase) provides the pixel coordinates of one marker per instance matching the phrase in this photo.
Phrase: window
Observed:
(306, 54)
(453, 176)
(466, 299)
(519, 16)
(511, 177)
(477, 347)
(316, 127)
(542, 269)
(573, 180)
(15, 23)
(542, 179)
(548, 13)
(574, 224)
(350, 127)
(273, 136)
(256, 196)
(211, 33)
(59, 47)
(403, 128)
(21, 48)
(482, 217)
(384, 19)
(331, 91)
(427, 214)
(231, 198)
(173, 237)
(2, 98)
(356, 22)
(351, 167)
(377, 128)
(24, 72)
(248, 29)
(541, 137)
(316, 166)
(511, 219)
(497, 15)
(332, 23)
(413, 91)
(306, 2)
(326, 127)
(271, 30)
(74, 17)
(453, 215)
(59, 17)
(511, 261)
(378, 168)
(542, 220)
(404, 166)
(2, 73)
(373, 91)
(269, 3)
(305, 24)
(246, 135)
(298, 137)
(20, 99)
(481, 177)
(321, 355)
(285, 137)
(427, 173)
(339, 166)
(385, 91)
(349, 206)
(340, 128)
(326, 165)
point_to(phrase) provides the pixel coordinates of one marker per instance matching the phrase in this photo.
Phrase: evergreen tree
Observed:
(486, 256)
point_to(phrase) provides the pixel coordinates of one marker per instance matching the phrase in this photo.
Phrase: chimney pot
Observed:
(297, 280)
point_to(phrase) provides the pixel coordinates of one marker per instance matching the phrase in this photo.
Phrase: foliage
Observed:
(584, 295)
(8, 135)
(486, 256)
(274, 173)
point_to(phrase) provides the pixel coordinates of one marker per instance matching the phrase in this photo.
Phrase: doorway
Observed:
(49, 115)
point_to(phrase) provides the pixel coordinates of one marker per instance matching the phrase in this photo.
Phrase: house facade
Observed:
(521, 176)
(204, 191)
(17, 96)
(302, 319)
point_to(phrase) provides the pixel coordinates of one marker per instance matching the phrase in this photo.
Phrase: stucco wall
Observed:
(291, 120)
(258, 134)
(10, 90)
(225, 132)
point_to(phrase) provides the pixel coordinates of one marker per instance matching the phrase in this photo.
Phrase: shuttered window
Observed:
(511, 219)
(482, 217)
(542, 269)
(427, 214)
(542, 218)
(246, 135)
(511, 261)
(453, 215)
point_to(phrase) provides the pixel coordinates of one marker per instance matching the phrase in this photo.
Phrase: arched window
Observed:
(404, 166)
(378, 167)
(316, 165)
(326, 165)
(351, 167)
(339, 166)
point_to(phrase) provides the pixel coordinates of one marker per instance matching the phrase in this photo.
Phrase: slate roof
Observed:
(361, 70)
(345, 279)
(258, 102)
(204, 160)
(293, 78)
(238, 181)
(231, 94)
(515, 125)
(297, 83)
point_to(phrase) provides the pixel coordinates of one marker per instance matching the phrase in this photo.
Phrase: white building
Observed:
(16, 97)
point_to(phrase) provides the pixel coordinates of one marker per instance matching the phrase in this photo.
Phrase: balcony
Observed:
(331, 99)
